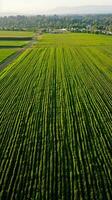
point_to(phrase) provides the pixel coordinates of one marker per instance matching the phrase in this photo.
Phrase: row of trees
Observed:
(97, 22)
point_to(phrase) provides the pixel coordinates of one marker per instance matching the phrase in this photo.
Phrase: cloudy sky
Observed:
(31, 5)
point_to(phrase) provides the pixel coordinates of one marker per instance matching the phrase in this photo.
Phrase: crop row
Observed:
(56, 114)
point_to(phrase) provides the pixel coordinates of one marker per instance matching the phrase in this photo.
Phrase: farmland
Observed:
(14, 38)
(75, 40)
(4, 53)
(56, 120)
(16, 34)
(12, 44)
(12, 41)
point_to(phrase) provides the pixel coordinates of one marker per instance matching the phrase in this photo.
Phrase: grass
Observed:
(13, 43)
(77, 40)
(16, 34)
(5, 53)
(56, 114)
(14, 38)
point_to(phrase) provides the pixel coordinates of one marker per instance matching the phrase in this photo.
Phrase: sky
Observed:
(33, 5)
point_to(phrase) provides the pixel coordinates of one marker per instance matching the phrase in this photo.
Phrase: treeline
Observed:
(90, 22)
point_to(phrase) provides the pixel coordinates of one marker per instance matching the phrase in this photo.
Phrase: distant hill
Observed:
(81, 10)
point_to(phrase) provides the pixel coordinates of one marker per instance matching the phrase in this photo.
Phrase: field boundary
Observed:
(12, 57)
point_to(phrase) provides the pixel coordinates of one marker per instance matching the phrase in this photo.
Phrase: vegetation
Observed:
(56, 114)
(77, 40)
(75, 23)
(15, 38)
(4, 53)
(16, 34)
(13, 43)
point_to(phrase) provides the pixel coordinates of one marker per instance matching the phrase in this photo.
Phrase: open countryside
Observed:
(56, 120)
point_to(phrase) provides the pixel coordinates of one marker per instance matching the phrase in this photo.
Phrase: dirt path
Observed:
(11, 58)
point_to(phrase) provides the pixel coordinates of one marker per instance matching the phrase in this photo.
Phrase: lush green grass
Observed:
(56, 121)
(16, 34)
(82, 40)
(4, 53)
(13, 43)
(14, 38)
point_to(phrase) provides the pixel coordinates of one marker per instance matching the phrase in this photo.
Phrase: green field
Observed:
(79, 40)
(10, 40)
(4, 53)
(13, 43)
(16, 34)
(14, 38)
(56, 120)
